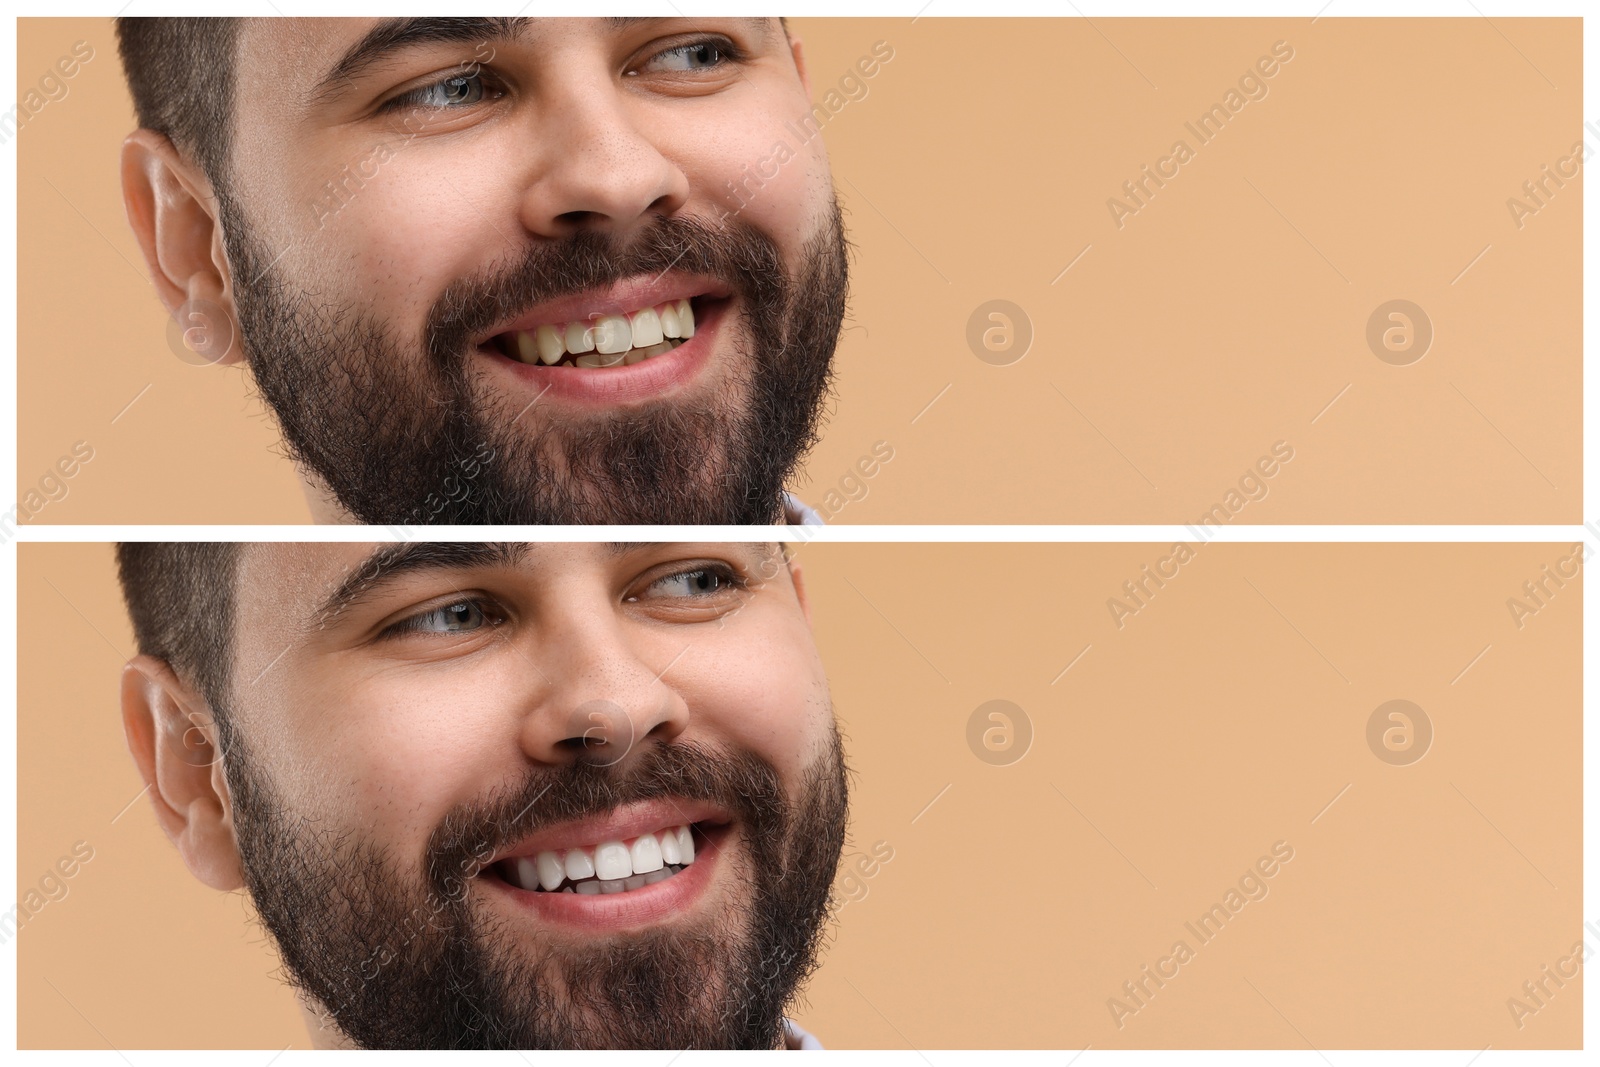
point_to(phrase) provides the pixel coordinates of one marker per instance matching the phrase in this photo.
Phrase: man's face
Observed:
(441, 756)
(461, 249)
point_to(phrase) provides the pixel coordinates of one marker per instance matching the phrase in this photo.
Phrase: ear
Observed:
(173, 211)
(797, 49)
(172, 736)
(798, 578)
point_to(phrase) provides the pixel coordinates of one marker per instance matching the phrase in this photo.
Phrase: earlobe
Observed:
(173, 740)
(172, 210)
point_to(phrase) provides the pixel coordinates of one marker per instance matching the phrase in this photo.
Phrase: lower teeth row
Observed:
(595, 886)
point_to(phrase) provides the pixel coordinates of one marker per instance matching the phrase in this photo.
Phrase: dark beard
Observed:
(402, 437)
(400, 957)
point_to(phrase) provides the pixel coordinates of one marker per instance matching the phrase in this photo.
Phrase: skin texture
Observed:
(370, 734)
(379, 211)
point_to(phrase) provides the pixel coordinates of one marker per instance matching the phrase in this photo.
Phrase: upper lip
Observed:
(623, 823)
(621, 298)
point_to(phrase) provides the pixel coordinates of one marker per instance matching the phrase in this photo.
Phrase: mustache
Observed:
(735, 253)
(741, 783)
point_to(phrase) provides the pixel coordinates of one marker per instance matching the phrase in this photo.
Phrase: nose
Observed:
(604, 697)
(599, 166)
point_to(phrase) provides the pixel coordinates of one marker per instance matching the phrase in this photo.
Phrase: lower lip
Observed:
(620, 386)
(631, 908)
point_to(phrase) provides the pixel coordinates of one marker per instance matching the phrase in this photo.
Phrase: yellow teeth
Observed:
(606, 340)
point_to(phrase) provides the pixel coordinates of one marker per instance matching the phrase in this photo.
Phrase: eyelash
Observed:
(729, 52)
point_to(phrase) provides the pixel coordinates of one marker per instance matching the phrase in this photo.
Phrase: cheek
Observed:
(763, 164)
(388, 232)
(767, 694)
(392, 753)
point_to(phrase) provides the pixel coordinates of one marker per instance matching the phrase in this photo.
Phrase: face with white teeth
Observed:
(528, 796)
(394, 237)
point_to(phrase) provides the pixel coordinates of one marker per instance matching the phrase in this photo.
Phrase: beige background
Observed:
(1222, 318)
(1228, 714)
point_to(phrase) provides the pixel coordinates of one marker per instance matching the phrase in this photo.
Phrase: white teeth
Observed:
(646, 326)
(550, 344)
(668, 314)
(612, 861)
(669, 846)
(646, 855)
(612, 335)
(611, 867)
(685, 319)
(580, 864)
(580, 338)
(527, 873)
(686, 844)
(551, 870)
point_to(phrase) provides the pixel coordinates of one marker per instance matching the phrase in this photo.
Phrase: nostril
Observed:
(577, 220)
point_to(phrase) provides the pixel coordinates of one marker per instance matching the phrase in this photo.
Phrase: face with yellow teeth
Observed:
(514, 270)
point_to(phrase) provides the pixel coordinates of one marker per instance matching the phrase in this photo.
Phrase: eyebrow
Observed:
(391, 562)
(392, 36)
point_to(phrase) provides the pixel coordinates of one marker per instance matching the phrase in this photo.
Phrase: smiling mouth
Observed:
(608, 867)
(599, 341)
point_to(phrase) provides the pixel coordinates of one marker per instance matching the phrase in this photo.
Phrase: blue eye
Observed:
(458, 90)
(462, 617)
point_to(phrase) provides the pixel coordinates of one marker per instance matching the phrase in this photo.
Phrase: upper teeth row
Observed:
(607, 335)
(609, 860)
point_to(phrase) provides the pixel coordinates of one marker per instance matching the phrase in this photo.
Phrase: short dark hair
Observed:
(181, 598)
(180, 72)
